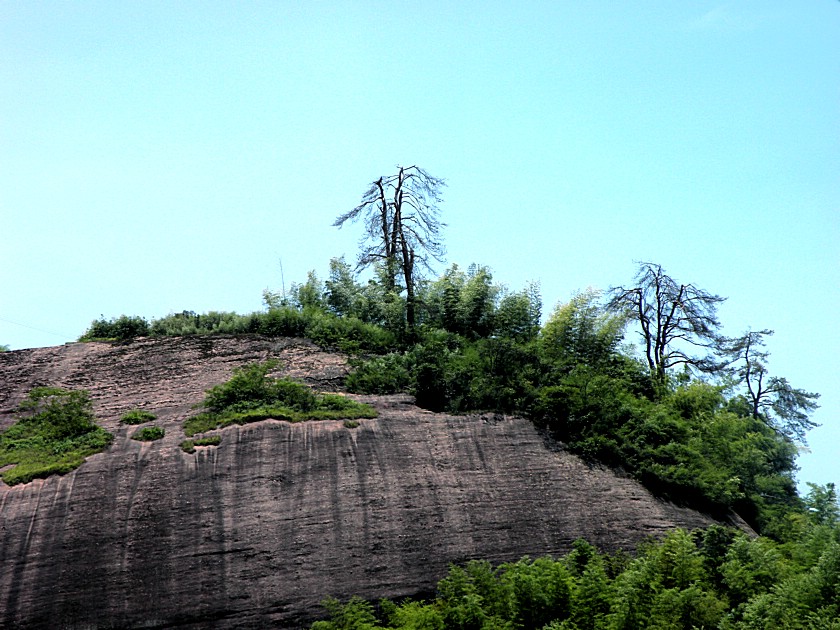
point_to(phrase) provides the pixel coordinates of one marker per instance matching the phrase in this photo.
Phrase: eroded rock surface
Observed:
(256, 532)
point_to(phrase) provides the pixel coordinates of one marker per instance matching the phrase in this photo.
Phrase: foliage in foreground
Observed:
(55, 432)
(714, 578)
(251, 395)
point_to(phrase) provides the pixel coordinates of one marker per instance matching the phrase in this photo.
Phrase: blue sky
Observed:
(163, 156)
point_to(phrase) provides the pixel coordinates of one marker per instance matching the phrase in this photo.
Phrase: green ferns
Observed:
(54, 434)
(251, 395)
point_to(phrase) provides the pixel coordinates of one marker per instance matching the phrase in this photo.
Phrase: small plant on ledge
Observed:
(188, 446)
(148, 434)
(137, 416)
(251, 395)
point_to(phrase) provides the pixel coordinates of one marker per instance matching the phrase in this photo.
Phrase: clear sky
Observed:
(165, 156)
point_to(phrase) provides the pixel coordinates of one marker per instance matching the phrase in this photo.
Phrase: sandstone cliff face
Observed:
(255, 532)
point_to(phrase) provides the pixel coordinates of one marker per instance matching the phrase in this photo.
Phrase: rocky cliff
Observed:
(255, 532)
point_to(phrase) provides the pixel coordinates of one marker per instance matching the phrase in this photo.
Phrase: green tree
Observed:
(462, 303)
(122, 328)
(460, 601)
(62, 413)
(581, 332)
(414, 616)
(772, 399)
(310, 294)
(518, 314)
(343, 294)
(402, 228)
(822, 505)
(752, 567)
(356, 614)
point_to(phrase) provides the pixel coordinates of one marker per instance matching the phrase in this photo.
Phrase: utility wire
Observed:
(49, 332)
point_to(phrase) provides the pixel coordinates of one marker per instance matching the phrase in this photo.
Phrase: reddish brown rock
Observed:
(254, 533)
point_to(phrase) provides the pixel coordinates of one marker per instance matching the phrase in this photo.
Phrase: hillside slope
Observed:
(255, 532)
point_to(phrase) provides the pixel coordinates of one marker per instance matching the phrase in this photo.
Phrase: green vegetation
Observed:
(713, 578)
(282, 320)
(351, 424)
(123, 328)
(188, 446)
(695, 436)
(137, 416)
(697, 417)
(4, 348)
(148, 434)
(54, 434)
(251, 395)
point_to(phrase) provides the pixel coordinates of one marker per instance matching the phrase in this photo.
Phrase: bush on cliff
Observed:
(137, 416)
(252, 395)
(54, 434)
(148, 434)
(123, 328)
(325, 329)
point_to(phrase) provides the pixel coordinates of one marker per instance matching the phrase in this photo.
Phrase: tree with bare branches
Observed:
(402, 228)
(674, 319)
(772, 399)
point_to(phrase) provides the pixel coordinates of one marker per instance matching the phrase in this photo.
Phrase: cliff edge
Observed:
(256, 532)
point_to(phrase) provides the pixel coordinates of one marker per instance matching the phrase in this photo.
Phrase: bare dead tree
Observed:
(674, 321)
(402, 228)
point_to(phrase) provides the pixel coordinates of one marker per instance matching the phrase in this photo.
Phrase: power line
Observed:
(49, 332)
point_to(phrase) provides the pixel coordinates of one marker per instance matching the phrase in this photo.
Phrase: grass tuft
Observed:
(137, 416)
(148, 434)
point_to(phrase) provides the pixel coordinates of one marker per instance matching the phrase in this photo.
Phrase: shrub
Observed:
(191, 323)
(325, 329)
(251, 395)
(248, 387)
(54, 434)
(387, 374)
(351, 424)
(148, 434)
(279, 322)
(137, 416)
(123, 328)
